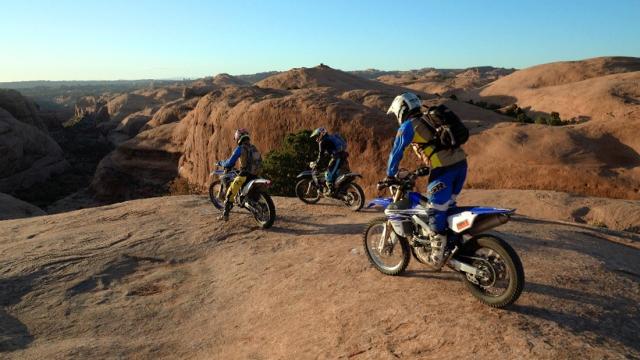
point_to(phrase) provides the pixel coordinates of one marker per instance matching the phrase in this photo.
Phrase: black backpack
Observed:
(449, 131)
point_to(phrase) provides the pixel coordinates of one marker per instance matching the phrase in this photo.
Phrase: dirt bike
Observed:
(253, 196)
(492, 270)
(310, 188)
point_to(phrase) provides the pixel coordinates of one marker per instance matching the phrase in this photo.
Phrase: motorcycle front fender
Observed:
(380, 202)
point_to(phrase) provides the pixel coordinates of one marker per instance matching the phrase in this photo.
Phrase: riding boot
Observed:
(227, 209)
(438, 245)
(329, 191)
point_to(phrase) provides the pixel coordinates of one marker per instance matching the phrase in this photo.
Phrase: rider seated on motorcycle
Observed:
(335, 146)
(248, 168)
(448, 167)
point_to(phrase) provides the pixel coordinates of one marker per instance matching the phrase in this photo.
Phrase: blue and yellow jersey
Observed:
(414, 131)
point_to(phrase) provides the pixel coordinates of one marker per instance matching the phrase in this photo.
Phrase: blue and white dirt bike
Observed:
(253, 196)
(309, 188)
(492, 270)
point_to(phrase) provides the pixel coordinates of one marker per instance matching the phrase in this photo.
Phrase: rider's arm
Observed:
(231, 162)
(321, 150)
(403, 139)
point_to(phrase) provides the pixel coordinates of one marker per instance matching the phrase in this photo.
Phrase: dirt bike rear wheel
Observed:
(355, 196)
(503, 266)
(268, 210)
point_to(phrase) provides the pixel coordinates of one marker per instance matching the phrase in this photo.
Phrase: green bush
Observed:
(554, 119)
(523, 118)
(283, 164)
(512, 110)
(541, 120)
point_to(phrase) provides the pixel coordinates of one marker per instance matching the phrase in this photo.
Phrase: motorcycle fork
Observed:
(386, 233)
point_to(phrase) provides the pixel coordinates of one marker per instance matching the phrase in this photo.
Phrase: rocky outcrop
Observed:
(21, 108)
(322, 76)
(207, 85)
(12, 208)
(601, 89)
(29, 155)
(171, 112)
(141, 166)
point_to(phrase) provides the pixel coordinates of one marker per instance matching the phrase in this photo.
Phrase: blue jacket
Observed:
(332, 145)
(231, 162)
(404, 137)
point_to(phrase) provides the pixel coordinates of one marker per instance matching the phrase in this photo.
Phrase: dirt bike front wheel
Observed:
(217, 193)
(390, 256)
(307, 191)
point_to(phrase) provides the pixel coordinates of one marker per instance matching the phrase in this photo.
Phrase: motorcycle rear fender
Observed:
(255, 184)
(305, 174)
(476, 220)
(349, 176)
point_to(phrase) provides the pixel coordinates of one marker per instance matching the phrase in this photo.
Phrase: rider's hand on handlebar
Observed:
(387, 181)
(313, 165)
(423, 171)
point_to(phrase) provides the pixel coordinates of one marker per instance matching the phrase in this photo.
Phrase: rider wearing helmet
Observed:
(246, 153)
(335, 146)
(448, 167)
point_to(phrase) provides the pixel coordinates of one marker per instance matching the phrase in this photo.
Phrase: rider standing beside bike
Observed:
(439, 150)
(249, 157)
(336, 147)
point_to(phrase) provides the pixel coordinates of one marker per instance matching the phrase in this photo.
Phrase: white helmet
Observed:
(403, 105)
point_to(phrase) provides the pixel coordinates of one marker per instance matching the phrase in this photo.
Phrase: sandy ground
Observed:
(160, 278)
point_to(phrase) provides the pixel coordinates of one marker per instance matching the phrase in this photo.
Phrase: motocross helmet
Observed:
(241, 135)
(319, 133)
(404, 105)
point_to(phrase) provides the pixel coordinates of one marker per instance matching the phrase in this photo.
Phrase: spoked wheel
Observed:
(501, 277)
(264, 211)
(307, 191)
(217, 193)
(354, 197)
(387, 252)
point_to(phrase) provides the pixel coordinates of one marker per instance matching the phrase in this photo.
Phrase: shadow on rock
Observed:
(14, 335)
(608, 318)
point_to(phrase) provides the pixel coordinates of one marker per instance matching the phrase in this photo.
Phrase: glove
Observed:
(390, 179)
(423, 171)
(313, 165)
(386, 182)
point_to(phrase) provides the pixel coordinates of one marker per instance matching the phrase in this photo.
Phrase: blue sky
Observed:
(116, 39)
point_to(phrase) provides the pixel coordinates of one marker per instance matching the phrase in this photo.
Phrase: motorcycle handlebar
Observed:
(423, 171)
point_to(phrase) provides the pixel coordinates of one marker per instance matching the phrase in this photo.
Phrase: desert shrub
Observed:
(598, 223)
(523, 118)
(453, 97)
(181, 186)
(283, 164)
(512, 110)
(554, 119)
(541, 120)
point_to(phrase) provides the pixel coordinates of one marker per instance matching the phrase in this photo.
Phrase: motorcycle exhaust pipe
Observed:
(488, 222)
